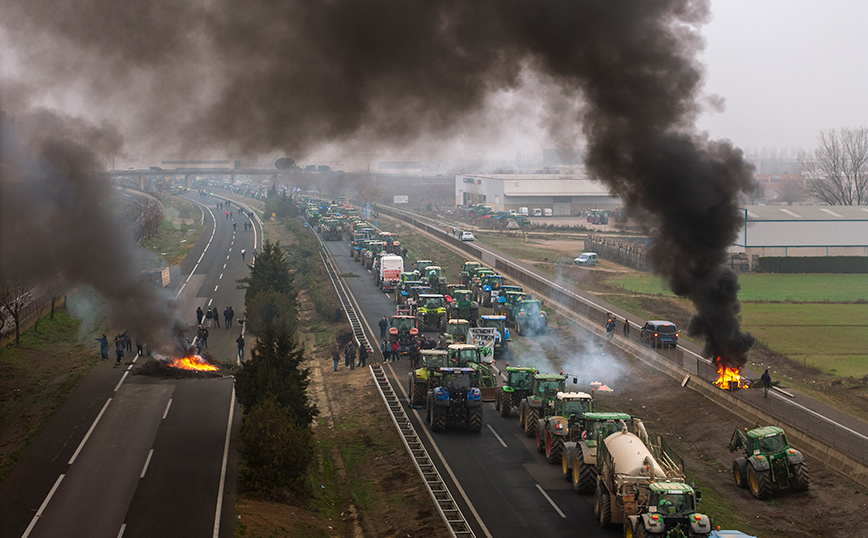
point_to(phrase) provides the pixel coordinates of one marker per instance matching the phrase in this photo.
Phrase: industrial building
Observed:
(806, 231)
(565, 195)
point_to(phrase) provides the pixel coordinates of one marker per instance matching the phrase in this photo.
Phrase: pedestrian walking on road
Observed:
(199, 315)
(103, 346)
(363, 355)
(231, 315)
(384, 324)
(209, 315)
(227, 317)
(336, 356)
(626, 327)
(386, 349)
(767, 383)
(233, 226)
(119, 348)
(243, 252)
(216, 316)
(240, 342)
(396, 354)
(128, 342)
(227, 214)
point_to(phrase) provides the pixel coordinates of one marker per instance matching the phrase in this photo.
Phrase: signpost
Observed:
(401, 199)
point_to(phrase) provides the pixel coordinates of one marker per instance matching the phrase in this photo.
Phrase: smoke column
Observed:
(293, 75)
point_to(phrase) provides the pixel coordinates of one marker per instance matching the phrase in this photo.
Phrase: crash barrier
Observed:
(849, 445)
(629, 253)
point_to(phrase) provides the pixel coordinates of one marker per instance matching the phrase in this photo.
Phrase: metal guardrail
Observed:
(819, 427)
(443, 500)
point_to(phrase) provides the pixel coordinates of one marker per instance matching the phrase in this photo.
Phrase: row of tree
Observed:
(276, 432)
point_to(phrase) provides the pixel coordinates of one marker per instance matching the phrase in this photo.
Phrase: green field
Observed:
(771, 287)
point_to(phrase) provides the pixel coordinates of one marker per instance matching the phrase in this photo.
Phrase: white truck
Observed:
(389, 272)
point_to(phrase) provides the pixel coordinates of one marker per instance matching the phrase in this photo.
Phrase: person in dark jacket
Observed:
(336, 356)
(199, 316)
(350, 355)
(386, 348)
(384, 325)
(240, 342)
(216, 316)
(767, 383)
(363, 355)
(103, 346)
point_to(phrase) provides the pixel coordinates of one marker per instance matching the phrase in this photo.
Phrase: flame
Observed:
(193, 362)
(726, 375)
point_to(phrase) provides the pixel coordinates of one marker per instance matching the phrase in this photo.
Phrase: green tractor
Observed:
(403, 290)
(507, 305)
(432, 276)
(463, 306)
(393, 246)
(476, 282)
(530, 319)
(468, 271)
(488, 288)
(420, 267)
(427, 376)
(331, 230)
(544, 389)
(519, 380)
(372, 251)
(469, 356)
(431, 311)
(769, 461)
(579, 461)
(456, 331)
(457, 398)
(563, 415)
(504, 347)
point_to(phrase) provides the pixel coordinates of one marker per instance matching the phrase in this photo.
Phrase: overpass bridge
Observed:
(188, 174)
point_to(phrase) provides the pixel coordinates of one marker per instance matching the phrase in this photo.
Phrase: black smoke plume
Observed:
(288, 76)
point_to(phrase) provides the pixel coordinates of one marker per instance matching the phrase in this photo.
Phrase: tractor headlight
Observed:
(474, 394)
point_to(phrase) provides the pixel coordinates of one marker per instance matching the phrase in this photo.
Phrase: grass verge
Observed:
(178, 232)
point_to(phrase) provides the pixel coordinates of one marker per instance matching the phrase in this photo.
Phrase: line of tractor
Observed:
(637, 480)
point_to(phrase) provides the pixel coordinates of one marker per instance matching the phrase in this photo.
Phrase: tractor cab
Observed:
(456, 331)
(671, 499)
(463, 355)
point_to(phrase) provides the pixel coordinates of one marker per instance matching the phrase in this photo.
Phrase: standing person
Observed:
(199, 315)
(208, 316)
(767, 383)
(336, 356)
(347, 353)
(103, 346)
(242, 254)
(396, 355)
(386, 350)
(140, 351)
(233, 226)
(119, 348)
(352, 355)
(128, 342)
(414, 353)
(231, 315)
(626, 327)
(383, 326)
(227, 214)
(363, 355)
(227, 318)
(240, 342)
(216, 316)
(610, 329)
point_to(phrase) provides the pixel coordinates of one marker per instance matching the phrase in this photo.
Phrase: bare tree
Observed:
(791, 191)
(14, 296)
(837, 171)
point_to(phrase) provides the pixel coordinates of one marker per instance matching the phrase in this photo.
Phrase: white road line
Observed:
(220, 277)
(211, 300)
(89, 431)
(121, 532)
(166, 412)
(147, 462)
(217, 286)
(227, 256)
(224, 266)
(214, 229)
(129, 367)
(121, 381)
(223, 468)
(495, 434)
(551, 502)
(42, 507)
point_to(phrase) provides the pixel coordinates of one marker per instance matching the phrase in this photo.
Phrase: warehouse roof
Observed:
(804, 213)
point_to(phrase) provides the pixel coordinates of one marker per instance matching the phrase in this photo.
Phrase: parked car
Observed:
(547, 212)
(537, 212)
(467, 236)
(586, 258)
(659, 333)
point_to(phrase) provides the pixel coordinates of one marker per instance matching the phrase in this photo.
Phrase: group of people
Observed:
(350, 354)
(123, 344)
(212, 317)
(610, 327)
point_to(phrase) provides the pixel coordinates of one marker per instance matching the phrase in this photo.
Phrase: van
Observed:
(547, 212)
(586, 258)
(522, 211)
(659, 333)
(537, 212)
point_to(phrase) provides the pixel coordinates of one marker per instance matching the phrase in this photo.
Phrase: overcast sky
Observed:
(787, 69)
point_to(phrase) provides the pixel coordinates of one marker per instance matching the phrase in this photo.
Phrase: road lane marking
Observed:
(89, 431)
(227, 256)
(495, 434)
(211, 300)
(147, 462)
(220, 277)
(121, 532)
(166, 412)
(223, 468)
(42, 507)
(551, 502)
(213, 229)
(217, 286)
(121, 381)
(224, 266)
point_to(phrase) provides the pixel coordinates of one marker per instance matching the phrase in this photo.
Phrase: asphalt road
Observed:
(141, 456)
(511, 487)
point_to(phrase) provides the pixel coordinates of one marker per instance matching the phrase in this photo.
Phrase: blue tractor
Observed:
(456, 399)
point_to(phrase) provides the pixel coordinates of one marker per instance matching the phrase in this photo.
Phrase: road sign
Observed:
(473, 221)
(401, 199)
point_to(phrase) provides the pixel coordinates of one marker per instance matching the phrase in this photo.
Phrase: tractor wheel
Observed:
(566, 468)
(505, 404)
(603, 507)
(759, 482)
(474, 419)
(510, 350)
(554, 447)
(584, 475)
(801, 478)
(486, 299)
(531, 415)
(438, 419)
(417, 394)
(540, 441)
(739, 472)
(521, 409)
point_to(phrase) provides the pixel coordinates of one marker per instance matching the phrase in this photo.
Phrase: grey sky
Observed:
(787, 69)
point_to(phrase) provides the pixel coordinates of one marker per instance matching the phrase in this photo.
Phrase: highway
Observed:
(140, 456)
(504, 487)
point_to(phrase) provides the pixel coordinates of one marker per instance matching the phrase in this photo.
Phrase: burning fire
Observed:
(193, 362)
(727, 375)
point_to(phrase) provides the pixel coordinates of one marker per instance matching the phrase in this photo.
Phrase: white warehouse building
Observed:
(565, 195)
(815, 231)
